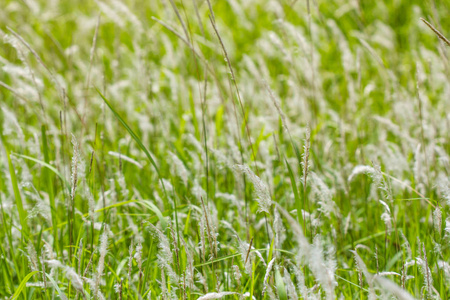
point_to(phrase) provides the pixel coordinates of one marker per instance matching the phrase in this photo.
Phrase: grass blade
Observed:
(60, 293)
(131, 132)
(48, 181)
(281, 288)
(296, 194)
(158, 213)
(22, 285)
(135, 137)
(48, 166)
(18, 198)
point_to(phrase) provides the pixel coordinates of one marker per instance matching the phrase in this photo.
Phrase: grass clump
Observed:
(224, 150)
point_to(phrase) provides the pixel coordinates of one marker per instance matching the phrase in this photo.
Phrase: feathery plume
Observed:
(305, 155)
(323, 194)
(75, 279)
(386, 217)
(216, 295)
(266, 276)
(437, 219)
(101, 261)
(75, 160)
(138, 258)
(126, 158)
(32, 257)
(422, 261)
(262, 192)
(361, 170)
(179, 168)
(130, 261)
(393, 288)
(164, 256)
(290, 288)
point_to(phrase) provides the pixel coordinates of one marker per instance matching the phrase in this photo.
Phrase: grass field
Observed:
(240, 149)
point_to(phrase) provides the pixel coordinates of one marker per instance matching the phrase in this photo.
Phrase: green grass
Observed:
(224, 149)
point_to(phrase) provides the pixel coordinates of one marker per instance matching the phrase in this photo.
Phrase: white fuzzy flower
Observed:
(261, 190)
(216, 295)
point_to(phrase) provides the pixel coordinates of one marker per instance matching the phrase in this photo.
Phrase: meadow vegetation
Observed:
(239, 149)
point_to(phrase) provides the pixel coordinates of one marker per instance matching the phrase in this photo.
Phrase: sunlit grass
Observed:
(224, 149)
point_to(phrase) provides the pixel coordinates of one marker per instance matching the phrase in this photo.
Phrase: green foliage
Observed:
(187, 117)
